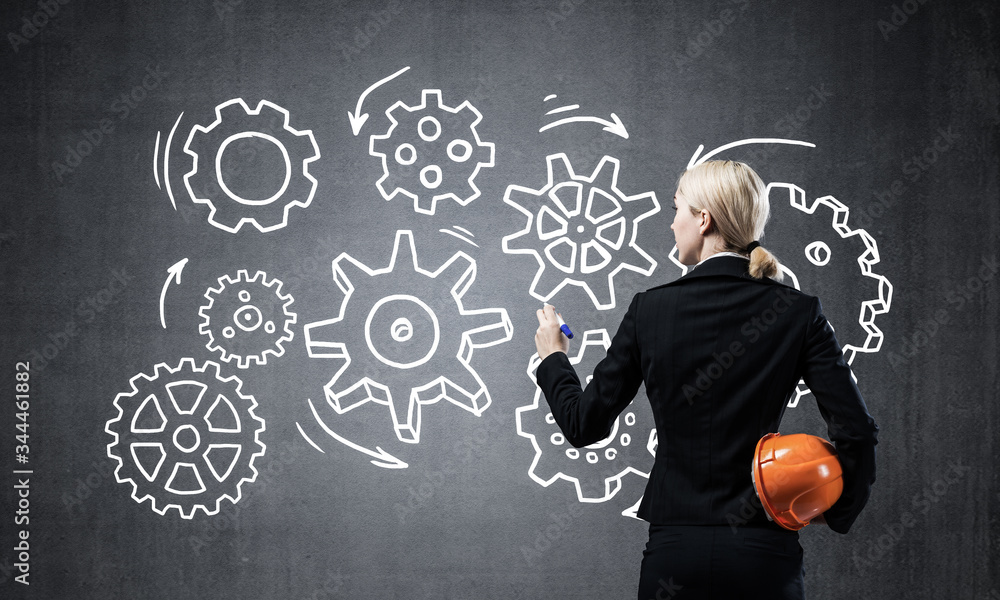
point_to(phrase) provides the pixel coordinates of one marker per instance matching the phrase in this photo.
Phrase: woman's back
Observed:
(720, 353)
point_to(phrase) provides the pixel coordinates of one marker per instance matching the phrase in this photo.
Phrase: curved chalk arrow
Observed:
(384, 459)
(173, 272)
(166, 160)
(697, 161)
(308, 439)
(614, 126)
(358, 119)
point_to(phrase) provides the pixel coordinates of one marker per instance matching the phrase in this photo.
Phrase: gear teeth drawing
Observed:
(431, 152)
(206, 182)
(595, 471)
(580, 230)
(247, 318)
(397, 335)
(185, 438)
(840, 246)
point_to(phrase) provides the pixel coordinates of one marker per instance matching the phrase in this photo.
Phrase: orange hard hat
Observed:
(797, 477)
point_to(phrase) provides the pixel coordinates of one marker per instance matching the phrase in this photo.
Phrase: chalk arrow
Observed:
(614, 126)
(357, 119)
(173, 272)
(383, 458)
(697, 161)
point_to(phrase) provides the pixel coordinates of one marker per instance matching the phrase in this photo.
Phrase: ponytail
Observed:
(764, 264)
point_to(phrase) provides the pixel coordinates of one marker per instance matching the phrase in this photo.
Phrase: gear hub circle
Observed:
(395, 345)
(210, 148)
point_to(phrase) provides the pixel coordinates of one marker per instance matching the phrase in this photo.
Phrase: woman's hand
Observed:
(548, 337)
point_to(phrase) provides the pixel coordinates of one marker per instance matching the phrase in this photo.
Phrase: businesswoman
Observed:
(720, 351)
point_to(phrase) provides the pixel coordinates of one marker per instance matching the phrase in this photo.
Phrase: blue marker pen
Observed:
(562, 325)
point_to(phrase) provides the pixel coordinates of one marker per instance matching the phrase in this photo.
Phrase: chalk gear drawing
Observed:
(850, 247)
(247, 318)
(842, 248)
(406, 339)
(431, 152)
(235, 121)
(596, 471)
(185, 438)
(581, 230)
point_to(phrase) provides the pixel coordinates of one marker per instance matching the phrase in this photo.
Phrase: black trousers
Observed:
(683, 562)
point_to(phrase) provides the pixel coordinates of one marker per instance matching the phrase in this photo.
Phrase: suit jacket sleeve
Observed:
(586, 416)
(849, 426)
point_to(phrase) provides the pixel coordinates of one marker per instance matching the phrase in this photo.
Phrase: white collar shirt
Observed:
(717, 254)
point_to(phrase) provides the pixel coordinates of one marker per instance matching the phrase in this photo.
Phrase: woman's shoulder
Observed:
(740, 278)
(688, 282)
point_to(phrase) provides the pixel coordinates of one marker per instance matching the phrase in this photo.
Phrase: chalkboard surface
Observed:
(270, 272)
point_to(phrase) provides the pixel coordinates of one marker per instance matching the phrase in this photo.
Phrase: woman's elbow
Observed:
(584, 439)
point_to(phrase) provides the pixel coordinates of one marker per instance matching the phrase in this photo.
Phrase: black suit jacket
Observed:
(720, 354)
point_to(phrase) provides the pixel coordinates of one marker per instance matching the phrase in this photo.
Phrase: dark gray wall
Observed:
(899, 99)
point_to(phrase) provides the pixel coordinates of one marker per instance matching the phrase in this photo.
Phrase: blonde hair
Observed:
(734, 195)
